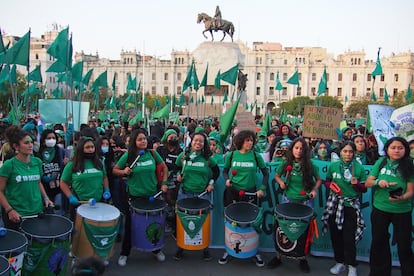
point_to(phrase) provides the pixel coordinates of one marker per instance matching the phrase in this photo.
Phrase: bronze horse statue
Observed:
(209, 26)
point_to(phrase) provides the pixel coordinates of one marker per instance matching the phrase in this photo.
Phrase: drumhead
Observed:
(193, 204)
(47, 226)
(143, 204)
(4, 266)
(12, 242)
(241, 212)
(98, 212)
(292, 210)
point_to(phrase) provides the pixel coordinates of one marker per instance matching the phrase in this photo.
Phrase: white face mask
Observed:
(50, 143)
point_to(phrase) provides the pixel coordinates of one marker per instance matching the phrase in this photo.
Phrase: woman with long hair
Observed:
(244, 162)
(345, 182)
(392, 183)
(21, 190)
(302, 176)
(142, 182)
(198, 173)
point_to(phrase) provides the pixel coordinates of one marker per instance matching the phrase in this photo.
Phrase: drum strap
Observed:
(191, 223)
(101, 238)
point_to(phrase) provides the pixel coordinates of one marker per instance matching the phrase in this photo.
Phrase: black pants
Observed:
(343, 241)
(380, 255)
(231, 195)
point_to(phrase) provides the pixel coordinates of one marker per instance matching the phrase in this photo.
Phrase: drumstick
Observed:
(288, 172)
(141, 152)
(152, 198)
(203, 193)
(91, 202)
(244, 193)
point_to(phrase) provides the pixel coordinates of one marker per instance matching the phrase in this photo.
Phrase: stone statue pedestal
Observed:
(219, 56)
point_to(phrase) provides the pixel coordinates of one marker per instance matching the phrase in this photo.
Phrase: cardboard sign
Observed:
(321, 122)
(245, 121)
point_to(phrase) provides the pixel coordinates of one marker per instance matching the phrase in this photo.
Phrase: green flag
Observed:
(87, 77)
(386, 99)
(266, 123)
(204, 80)
(217, 80)
(378, 68)
(279, 85)
(101, 81)
(194, 79)
(157, 103)
(132, 83)
(187, 82)
(346, 98)
(246, 106)
(13, 75)
(294, 79)
(192, 99)
(232, 97)
(224, 99)
(32, 90)
(18, 53)
(60, 46)
(130, 99)
(35, 75)
(182, 99)
(202, 99)
(77, 71)
(4, 74)
(408, 94)
(8, 75)
(162, 113)
(322, 84)
(226, 121)
(230, 76)
(283, 116)
(373, 96)
(212, 100)
(57, 93)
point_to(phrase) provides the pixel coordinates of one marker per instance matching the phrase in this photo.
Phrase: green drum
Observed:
(49, 243)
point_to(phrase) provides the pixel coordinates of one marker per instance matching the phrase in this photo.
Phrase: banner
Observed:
(380, 116)
(321, 122)
(59, 111)
(321, 246)
(402, 120)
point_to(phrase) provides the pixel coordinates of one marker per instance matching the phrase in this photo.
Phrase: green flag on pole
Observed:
(279, 85)
(378, 68)
(230, 76)
(226, 121)
(101, 81)
(408, 94)
(386, 99)
(322, 84)
(294, 79)
(224, 99)
(204, 80)
(373, 97)
(18, 53)
(77, 71)
(35, 75)
(217, 81)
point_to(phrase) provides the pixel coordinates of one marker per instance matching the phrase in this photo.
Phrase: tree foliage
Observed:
(356, 109)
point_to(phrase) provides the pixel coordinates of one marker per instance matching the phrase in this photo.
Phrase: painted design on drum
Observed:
(241, 242)
(16, 264)
(154, 232)
(57, 260)
(283, 242)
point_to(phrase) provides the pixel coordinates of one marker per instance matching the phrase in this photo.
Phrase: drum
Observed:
(240, 237)
(193, 223)
(13, 247)
(49, 242)
(291, 229)
(96, 228)
(4, 266)
(148, 223)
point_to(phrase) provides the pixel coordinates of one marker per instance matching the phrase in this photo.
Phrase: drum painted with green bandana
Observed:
(49, 242)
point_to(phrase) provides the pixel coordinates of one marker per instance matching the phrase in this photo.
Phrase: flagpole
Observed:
(143, 80)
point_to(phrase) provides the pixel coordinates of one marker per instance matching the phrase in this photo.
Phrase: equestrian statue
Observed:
(216, 24)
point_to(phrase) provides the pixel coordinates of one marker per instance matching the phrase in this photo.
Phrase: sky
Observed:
(156, 27)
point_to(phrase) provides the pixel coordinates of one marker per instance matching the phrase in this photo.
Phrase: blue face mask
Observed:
(104, 149)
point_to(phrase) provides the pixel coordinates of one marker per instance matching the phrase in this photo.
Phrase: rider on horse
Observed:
(217, 19)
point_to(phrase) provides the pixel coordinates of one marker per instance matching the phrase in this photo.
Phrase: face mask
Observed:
(322, 152)
(173, 142)
(89, 155)
(104, 149)
(412, 153)
(50, 143)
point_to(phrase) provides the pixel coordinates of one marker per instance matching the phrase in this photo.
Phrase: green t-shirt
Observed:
(295, 185)
(87, 184)
(142, 181)
(245, 167)
(341, 174)
(381, 195)
(197, 172)
(22, 186)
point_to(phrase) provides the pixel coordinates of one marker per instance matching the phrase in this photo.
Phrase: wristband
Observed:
(8, 211)
(164, 182)
(211, 182)
(377, 181)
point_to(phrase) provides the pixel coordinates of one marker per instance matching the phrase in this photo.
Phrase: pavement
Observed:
(144, 263)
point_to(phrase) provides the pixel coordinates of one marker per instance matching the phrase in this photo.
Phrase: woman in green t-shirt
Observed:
(21, 190)
(345, 182)
(243, 163)
(300, 183)
(84, 177)
(392, 181)
(139, 165)
(198, 173)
